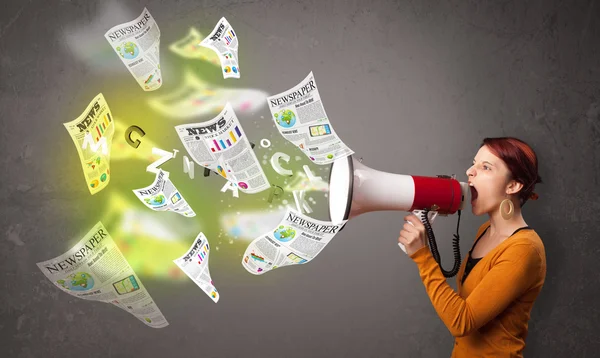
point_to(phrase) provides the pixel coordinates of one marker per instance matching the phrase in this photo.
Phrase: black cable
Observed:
(434, 249)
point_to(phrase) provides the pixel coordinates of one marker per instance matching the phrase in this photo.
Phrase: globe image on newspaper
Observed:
(128, 50)
(79, 281)
(285, 118)
(156, 200)
(284, 233)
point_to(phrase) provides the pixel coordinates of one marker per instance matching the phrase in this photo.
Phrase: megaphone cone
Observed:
(355, 189)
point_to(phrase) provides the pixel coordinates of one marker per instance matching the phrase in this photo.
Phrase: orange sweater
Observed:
(489, 315)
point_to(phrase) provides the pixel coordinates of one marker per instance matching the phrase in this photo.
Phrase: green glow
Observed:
(152, 240)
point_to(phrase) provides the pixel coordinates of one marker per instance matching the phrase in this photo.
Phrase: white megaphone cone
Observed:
(356, 189)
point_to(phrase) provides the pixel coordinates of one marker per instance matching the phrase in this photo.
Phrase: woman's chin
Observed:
(474, 208)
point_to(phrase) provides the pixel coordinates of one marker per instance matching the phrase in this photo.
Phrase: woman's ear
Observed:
(513, 187)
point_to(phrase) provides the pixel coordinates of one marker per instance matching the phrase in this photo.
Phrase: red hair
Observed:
(521, 161)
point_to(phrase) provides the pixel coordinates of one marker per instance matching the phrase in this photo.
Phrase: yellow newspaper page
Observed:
(92, 134)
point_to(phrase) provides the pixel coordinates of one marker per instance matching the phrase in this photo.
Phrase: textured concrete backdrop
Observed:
(410, 86)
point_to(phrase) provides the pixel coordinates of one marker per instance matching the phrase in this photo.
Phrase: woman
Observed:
(506, 266)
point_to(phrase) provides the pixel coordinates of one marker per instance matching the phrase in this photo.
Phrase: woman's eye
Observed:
(485, 167)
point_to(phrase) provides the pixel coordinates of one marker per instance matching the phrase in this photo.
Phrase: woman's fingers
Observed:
(409, 227)
(402, 240)
(416, 222)
(406, 236)
(412, 235)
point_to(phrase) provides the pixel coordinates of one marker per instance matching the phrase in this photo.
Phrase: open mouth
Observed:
(473, 194)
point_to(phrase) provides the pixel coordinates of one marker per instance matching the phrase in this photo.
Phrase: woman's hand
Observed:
(413, 237)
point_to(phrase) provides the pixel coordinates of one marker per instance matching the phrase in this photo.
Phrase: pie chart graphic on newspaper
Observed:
(221, 171)
(285, 118)
(284, 233)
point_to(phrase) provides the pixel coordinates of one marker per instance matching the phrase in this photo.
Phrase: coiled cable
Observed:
(434, 249)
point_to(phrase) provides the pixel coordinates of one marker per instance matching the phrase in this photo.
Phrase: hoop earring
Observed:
(511, 209)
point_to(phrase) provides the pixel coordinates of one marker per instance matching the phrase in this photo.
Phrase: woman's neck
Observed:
(502, 227)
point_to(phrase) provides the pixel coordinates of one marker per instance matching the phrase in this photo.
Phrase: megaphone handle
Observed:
(430, 215)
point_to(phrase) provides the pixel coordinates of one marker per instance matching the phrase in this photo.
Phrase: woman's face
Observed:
(490, 178)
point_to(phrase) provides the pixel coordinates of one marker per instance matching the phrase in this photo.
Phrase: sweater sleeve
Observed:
(515, 271)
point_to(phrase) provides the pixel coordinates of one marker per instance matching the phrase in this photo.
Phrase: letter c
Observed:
(130, 141)
(277, 167)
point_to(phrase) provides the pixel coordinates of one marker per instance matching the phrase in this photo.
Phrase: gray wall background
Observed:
(426, 80)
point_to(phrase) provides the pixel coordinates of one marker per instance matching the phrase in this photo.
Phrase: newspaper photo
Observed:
(221, 146)
(224, 42)
(92, 133)
(300, 117)
(95, 269)
(137, 44)
(189, 47)
(195, 264)
(162, 195)
(296, 240)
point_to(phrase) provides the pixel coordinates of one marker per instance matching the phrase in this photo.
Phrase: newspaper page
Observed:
(189, 47)
(221, 146)
(300, 117)
(95, 269)
(196, 98)
(224, 42)
(137, 44)
(195, 264)
(92, 133)
(296, 240)
(162, 195)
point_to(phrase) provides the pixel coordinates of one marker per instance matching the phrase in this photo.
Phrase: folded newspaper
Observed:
(194, 263)
(162, 195)
(92, 133)
(300, 117)
(224, 42)
(296, 240)
(94, 269)
(137, 44)
(221, 146)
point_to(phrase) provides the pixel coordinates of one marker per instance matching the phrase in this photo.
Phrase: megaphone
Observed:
(355, 189)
